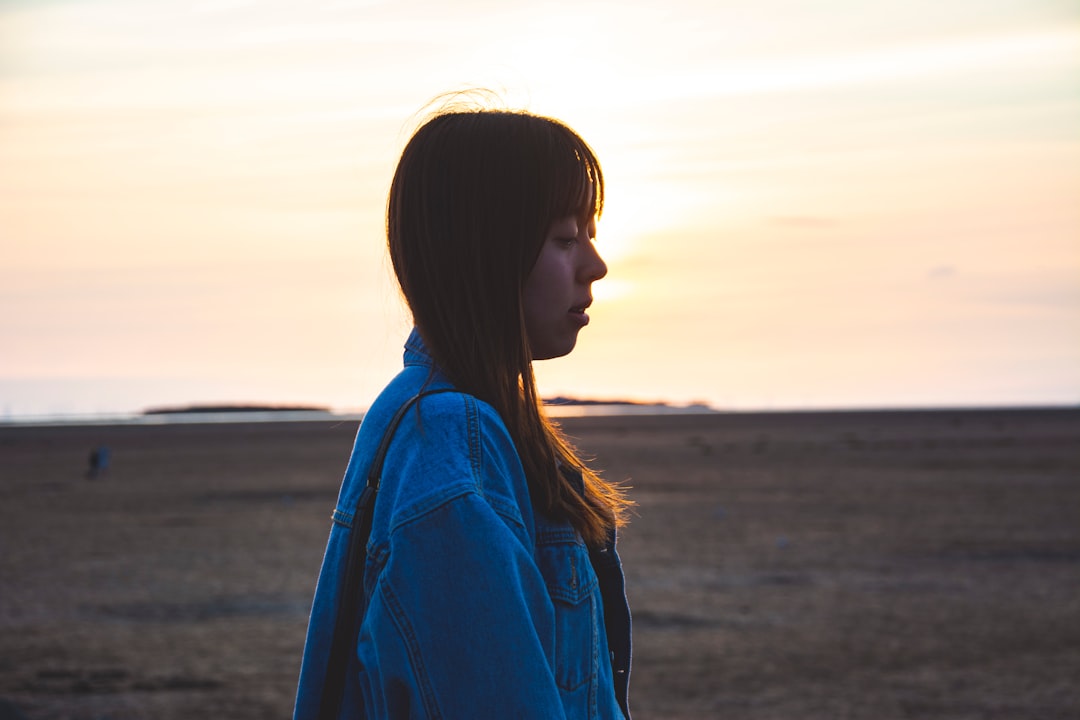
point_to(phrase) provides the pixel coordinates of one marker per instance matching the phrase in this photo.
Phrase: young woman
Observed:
(491, 587)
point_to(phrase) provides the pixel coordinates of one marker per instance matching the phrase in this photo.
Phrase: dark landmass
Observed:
(187, 409)
(560, 400)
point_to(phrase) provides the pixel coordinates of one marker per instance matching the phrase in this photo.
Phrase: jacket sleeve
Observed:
(460, 623)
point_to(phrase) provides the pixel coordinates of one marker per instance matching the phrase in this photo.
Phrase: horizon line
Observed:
(599, 409)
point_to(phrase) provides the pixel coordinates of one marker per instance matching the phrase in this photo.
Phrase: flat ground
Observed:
(803, 566)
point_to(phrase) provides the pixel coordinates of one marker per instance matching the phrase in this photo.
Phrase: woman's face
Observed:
(558, 289)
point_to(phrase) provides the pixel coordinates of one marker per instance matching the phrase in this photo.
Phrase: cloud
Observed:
(940, 272)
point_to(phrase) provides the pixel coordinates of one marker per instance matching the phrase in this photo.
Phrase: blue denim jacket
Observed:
(474, 604)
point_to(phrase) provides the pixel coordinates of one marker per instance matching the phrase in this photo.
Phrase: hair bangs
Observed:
(577, 182)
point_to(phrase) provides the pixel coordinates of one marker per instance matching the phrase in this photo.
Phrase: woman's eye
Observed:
(567, 242)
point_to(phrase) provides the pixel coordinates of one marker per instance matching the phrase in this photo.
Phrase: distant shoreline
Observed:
(549, 403)
(192, 409)
(238, 415)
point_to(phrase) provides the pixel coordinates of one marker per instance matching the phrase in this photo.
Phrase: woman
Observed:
(491, 587)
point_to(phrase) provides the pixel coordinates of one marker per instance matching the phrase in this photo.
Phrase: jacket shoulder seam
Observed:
(453, 493)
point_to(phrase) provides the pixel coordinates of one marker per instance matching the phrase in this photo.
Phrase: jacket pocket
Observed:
(572, 584)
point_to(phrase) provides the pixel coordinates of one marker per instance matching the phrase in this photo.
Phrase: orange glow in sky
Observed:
(809, 205)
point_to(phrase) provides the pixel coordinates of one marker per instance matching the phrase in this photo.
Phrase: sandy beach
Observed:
(811, 566)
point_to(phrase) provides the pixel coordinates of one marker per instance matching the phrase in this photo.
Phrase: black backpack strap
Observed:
(345, 624)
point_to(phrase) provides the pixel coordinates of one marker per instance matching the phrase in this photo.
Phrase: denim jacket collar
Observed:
(416, 352)
(417, 355)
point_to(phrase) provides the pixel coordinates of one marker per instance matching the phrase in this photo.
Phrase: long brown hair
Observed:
(472, 200)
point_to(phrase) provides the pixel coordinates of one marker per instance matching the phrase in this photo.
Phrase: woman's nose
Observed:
(595, 267)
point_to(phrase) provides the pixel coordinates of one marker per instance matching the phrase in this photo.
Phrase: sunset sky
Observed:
(811, 204)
